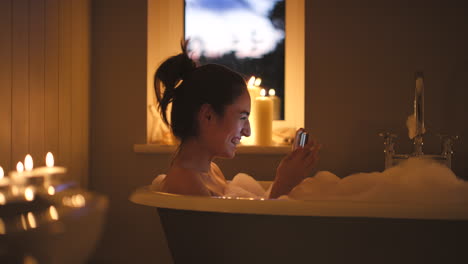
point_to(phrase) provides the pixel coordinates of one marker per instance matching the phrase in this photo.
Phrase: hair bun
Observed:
(171, 72)
(188, 65)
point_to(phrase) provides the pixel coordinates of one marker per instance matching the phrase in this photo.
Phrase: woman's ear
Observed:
(205, 114)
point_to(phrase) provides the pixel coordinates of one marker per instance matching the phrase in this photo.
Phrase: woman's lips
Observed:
(235, 140)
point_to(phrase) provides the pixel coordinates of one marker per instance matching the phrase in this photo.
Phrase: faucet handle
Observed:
(388, 141)
(389, 148)
(445, 137)
(388, 135)
(447, 143)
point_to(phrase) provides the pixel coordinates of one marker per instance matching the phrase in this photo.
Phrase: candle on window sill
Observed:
(276, 104)
(253, 87)
(264, 119)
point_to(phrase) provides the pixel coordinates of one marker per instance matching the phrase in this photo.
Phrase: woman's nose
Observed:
(246, 129)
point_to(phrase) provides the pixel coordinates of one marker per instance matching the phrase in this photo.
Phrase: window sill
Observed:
(264, 150)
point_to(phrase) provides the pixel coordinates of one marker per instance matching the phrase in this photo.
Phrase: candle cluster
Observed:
(264, 109)
(26, 171)
(26, 181)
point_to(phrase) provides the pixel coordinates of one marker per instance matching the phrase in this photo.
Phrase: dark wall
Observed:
(118, 120)
(361, 58)
(360, 62)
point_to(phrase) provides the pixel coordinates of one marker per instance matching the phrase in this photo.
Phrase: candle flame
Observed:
(263, 92)
(251, 82)
(29, 194)
(23, 222)
(19, 166)
(53, 213)
(2, 199)
(49, 160)
(31, 220)
(271, 92)
(28, 163)
(258, 81)
(2, 173)
(51, 190)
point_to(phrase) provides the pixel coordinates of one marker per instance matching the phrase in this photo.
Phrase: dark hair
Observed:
(188, 87)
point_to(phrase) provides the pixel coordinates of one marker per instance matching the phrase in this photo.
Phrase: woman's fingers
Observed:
(310, 143)
(307, 150)
(312, 157)
(296, 138)
(307, 156)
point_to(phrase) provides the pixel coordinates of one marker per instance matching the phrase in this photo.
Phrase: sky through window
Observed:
(245, 35)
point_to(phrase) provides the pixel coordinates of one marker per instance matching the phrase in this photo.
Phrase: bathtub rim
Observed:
(324, 208)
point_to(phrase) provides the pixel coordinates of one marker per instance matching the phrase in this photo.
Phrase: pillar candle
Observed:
(276, 104)
(254, 92)
(264, 119)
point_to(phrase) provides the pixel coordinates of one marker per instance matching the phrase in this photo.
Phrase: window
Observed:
(246, 36)
(166, 29)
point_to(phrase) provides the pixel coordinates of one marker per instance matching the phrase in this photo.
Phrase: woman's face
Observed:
(226, 131)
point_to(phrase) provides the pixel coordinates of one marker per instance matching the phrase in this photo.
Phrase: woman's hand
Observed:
(296, 166)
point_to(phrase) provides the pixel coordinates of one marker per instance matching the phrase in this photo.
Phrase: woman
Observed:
(210, 114)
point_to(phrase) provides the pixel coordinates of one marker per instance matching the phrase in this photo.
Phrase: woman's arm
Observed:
(294, 168)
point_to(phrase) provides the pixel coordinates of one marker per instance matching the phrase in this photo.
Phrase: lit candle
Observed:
(276, 104)
(23, 171)
(28, 163)
(3, 180)
(253, 86)
(51, 190)
(19, 173)
(49, 169)
(254, 92)
(29, 194)
(19, 167)
(257, 82)
(32, 220)
(53, 213)
(264, 120)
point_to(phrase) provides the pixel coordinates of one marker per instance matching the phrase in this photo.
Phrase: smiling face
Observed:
(225, 132)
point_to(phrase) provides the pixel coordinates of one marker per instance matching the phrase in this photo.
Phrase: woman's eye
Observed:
(244, 118)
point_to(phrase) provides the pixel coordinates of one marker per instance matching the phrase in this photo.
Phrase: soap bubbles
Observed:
(417, 180)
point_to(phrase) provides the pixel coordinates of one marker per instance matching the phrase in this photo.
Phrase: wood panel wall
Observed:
(44, 83)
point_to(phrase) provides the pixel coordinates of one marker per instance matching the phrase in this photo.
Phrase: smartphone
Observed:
(301, 140)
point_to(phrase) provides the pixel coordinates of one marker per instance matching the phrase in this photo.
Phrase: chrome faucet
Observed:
(419, 115)
(392, 159)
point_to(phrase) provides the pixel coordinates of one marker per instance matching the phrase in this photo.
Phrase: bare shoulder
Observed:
(184, 181)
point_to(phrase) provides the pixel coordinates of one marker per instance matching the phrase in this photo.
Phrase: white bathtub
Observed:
(215, 230)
